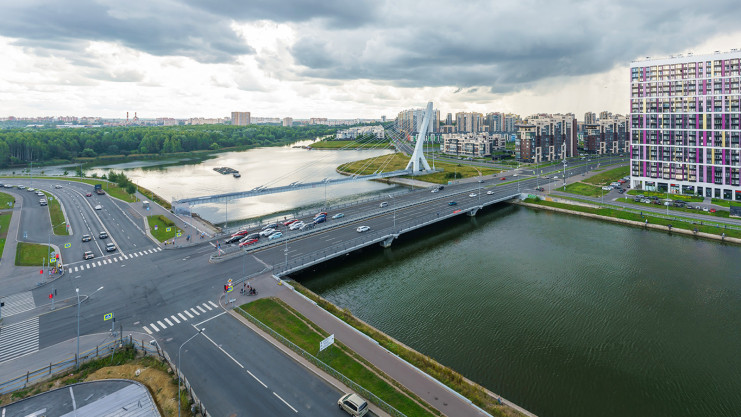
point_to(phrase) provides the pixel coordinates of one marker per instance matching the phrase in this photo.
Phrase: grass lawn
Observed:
(162, 224)
(296, 328)
(606, 177)
(31, 254)
(683, 197)
(584, 189)
(627, 215)
(5, 199)
(350, 144)
(725, 203)
(4, 223)
(397, 161)
(57, 217)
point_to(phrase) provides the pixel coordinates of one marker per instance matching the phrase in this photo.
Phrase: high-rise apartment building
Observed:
(546, 137)
(685, 124)
(590, 118)
(240, 118)
(288, 121)
(607, 135)
(469, 122)
(605, 115)
(409, 121)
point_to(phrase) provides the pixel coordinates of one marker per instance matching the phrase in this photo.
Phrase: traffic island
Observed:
(162, 228)
(32, 254)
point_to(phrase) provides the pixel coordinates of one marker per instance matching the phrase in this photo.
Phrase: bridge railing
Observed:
(370, 396)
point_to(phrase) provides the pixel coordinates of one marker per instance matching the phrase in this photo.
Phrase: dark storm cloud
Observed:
(506, 49)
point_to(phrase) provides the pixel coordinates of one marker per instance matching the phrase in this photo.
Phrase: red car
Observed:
(290, 222)
(89, 195)
(241, 233)
(712, 210)
(503, 178)
(247, 242)
(320, 214)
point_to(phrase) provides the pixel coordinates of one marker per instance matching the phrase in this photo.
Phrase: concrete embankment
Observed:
(631, 222)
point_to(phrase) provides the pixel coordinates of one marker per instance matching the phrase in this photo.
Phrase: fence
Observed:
(324, 367)
(105, 349)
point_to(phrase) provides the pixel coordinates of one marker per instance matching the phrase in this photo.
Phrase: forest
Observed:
(27, 145)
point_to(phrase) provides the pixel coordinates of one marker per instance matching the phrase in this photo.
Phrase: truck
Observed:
(99, 189)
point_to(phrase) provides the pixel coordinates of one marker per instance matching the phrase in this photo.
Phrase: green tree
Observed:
(130, 188)
(88, 153)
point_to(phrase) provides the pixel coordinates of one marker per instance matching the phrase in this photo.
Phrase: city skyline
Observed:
(322, 59)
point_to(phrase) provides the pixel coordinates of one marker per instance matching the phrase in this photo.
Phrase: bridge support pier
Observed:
(386, 243)
(473, 211)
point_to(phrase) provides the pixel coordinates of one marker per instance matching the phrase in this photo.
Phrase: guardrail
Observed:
(64, 366)
(323, 366)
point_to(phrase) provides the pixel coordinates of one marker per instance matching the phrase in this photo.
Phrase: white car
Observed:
(435, 190)
(296, 225)
(472, 195)
(267, 232)
(99, 207)
(362, 229)
(489, 192)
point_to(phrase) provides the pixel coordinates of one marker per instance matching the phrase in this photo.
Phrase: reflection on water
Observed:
(563, 315)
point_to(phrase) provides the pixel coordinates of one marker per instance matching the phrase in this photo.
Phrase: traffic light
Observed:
(226, 287)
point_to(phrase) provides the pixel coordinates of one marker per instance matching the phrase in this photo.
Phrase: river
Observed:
(563, 315)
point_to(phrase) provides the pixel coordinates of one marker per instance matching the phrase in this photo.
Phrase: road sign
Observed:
(67, 245)
(156, 227)
(326, 342)
(108, 317)
(178, 234)
(168, 229)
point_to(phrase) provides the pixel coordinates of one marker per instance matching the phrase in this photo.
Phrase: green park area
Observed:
(299, 330)
(6, 201)
(592, 186)
(159, 225)
(398, 161)
(31, 254)
(56, 215)
(350, 144)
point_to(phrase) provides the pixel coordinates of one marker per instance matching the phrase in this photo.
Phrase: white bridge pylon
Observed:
(418, 163)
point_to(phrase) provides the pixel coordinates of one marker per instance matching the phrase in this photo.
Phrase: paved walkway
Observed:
(430, 390)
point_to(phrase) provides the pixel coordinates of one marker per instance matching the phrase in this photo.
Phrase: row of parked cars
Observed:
(270, 231)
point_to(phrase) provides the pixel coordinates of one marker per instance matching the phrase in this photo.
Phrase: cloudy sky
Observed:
(339, 59)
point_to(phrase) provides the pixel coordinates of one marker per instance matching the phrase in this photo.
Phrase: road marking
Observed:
(115, 259)
(256, 378)
(199, 324)
(213, 304)
(154, 327)
(284, 402)
(141, 253)
(150, 251)
(189, 315)
(202, 310)
(135, 255)
(182, 317)
(74, 269)
(161, 324)
(174, 318)
(225, 353)
(120, 258)
(19, 339)
(159, 249)
(147, 330)
(168, 322)
(124, 256)
(194, 310)
(207, 306)
(18, 303)
(88, 265)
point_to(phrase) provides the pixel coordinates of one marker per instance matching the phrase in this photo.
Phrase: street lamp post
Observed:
(77, 356)
(179, 371)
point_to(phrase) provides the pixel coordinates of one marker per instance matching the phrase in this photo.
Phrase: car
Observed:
(452, 203)
(606, 188)
(338, 216)
(21, 187)
(102, 235)
(321, 213)
(435, 190)
(270, 226)
(712, 210)
(8, 186)
(480, 181)
(40, 194)
(362, 229)
(320, 219)
(540, 189)
(555, 177)
(289, 222)
(248, 242)
(504, 178)
(296, 225)
(384, 204)
(88, 255)
(234, 239)
(276, 235)
(353, 404)
(241, 233)
(87, 238)
(31, 189)
(456, 211)
(440, 187)
(110, 247)
(99, 207)
(472, 195)
(88, 194)
(251, 236)
(42, 202)
(57, 186)
(306, 226)
(514, 175)
(490, 192)
(267, 232)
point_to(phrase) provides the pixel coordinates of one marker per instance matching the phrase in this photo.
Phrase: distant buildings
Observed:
(475, 145)
(409, 121)
(241, 118)
(606, 135)
(546, 137)
(206, 121)
(353, 132)
(287, 121)
(469, 122)
(590, 118)
(685, 124)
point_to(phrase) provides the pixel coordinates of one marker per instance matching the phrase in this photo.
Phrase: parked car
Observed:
(42, 202)
(353, 404)
(276, 235)
(270, 226)
(322, 213)
(103, 235)
(110, 247)
(248, 242)
(480, 180)
(267, 232)
(40, 194)
(338, 216)
(435, 190)
(712, 210)
(88, 255)
(504, 178)
(320, 219)
(296, 225)
(362, 229)
(31, 189)
(87, 238)
(289, 222)
(241, 233)
(234, 239)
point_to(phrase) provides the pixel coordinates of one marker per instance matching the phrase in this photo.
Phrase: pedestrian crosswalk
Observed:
(179, 317)
(17, 303)
(19, 339)
(112, 260)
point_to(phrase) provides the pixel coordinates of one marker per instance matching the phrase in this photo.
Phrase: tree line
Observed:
(22, 146)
